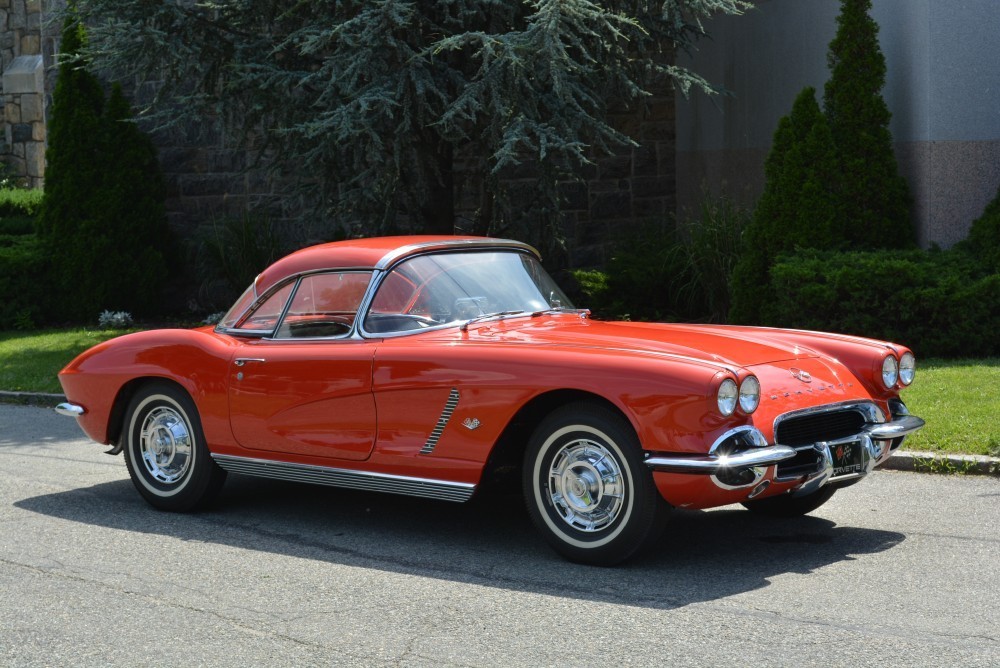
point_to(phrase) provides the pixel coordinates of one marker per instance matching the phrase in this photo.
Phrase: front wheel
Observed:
(587, 488)
(785, 505)
(165, 450)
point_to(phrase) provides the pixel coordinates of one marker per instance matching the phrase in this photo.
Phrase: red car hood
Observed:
(734, 346)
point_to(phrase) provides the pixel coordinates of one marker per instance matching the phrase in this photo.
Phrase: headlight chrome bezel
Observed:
(727, 397)
(907, 369)
(890, 372)
(749, 394)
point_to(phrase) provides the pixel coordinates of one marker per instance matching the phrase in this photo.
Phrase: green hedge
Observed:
(17, 211)
(22, 268)
(940, 303)
(19, 203)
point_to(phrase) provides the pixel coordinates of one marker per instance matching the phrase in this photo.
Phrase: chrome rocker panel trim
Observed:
(70, 410)
(322, 475)
(713, 465)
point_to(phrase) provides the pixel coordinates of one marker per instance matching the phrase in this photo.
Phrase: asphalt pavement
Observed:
(902, 569)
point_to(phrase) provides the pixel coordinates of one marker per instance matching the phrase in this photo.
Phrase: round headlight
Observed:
(749, 394)
(727, 396)
(907, 368)
(890, 372)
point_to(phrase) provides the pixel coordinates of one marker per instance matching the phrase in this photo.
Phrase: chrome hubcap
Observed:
(166, 444)
(586, 485)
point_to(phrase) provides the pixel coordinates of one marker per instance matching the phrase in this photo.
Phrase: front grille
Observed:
(802, 431)
(814, 427)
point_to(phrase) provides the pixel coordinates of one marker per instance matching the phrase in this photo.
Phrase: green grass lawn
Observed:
(959, 399)
(29, 361)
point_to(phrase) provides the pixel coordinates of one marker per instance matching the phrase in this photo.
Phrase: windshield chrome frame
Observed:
(513, 247)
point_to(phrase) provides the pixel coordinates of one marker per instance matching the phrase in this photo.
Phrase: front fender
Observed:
(197, 360)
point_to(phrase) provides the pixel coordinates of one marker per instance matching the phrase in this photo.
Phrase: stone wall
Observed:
(23, 96)
(631, 187)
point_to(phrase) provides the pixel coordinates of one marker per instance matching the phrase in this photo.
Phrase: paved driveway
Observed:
(903, 569)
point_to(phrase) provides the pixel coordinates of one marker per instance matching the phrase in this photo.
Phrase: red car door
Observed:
(312, 398)
(307, 388)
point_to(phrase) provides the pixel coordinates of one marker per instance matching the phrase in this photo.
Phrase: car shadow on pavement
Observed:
(490, 541)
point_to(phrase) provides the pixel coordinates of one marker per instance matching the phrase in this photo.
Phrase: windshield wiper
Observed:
(487, 316)
(560, 309)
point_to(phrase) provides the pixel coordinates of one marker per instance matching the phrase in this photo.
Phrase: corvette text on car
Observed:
(430, 366)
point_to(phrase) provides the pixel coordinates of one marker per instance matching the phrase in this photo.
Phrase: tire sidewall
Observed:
(197, 484)
(635, 525)
(547, 452)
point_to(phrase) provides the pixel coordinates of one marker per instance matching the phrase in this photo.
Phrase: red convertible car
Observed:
(427, 366)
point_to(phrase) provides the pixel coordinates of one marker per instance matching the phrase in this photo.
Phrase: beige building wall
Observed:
(943, 89)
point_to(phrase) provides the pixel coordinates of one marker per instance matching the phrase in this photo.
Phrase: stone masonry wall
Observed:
(22, 35)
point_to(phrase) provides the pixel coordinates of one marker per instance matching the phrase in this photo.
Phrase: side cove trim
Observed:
(449, 408)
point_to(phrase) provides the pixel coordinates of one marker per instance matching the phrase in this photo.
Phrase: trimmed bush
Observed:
(20, 203)
(940, 303)
(23, 263)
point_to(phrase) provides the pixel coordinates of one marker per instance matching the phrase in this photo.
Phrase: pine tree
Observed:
(374, 101)
(68, 221)
(132, 217)
(797, 208)
(874, 207)
(102, 219)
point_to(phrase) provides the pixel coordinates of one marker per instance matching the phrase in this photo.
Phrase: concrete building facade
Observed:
(942, 87)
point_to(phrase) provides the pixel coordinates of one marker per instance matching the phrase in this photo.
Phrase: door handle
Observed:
(240, 361)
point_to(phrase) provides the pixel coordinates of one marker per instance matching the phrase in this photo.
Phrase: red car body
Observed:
(407, 396)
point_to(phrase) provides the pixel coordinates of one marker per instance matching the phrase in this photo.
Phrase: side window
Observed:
(325, 305)
(265, 317)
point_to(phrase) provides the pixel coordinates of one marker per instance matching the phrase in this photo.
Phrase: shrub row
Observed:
(940, 303)
(22, 266)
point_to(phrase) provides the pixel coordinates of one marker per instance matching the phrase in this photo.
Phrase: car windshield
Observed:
(445, 288)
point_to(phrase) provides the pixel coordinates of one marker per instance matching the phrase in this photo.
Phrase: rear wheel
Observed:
(165, 450)
(787, 505)
(587, 488)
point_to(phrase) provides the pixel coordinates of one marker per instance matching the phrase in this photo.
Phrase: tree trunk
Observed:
(437, 210)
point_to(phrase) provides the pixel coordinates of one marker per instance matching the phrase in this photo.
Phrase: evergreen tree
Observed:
(874, 201)
(797, 208)
(983, 242)
(132, 217)
(102, 219)
(374, 101)
(68, 221)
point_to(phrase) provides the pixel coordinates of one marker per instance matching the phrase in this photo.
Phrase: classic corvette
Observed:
(431, 366)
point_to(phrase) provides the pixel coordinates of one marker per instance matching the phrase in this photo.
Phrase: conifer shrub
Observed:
(983, 242)
(873, 200)
(797, 208)
(102, 218)
(831, 180)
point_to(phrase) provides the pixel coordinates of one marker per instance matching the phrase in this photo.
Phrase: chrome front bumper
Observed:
(713, 465)
(874, 440)
(70, 410)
